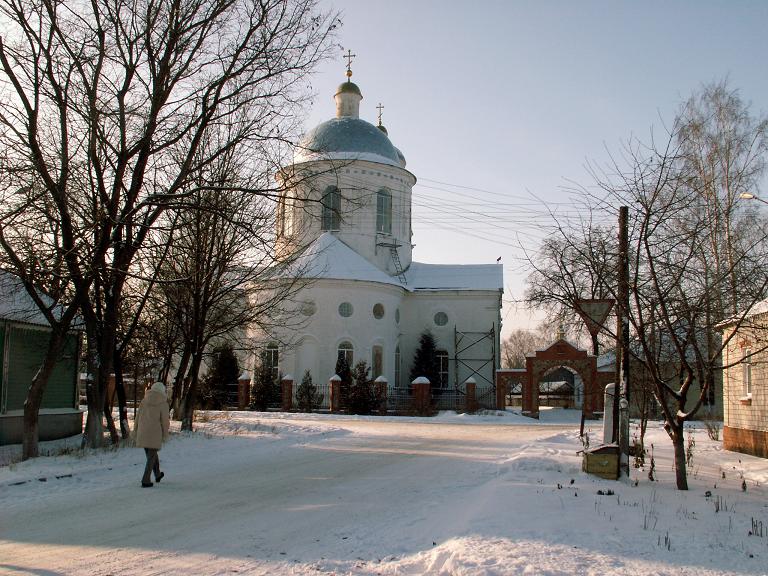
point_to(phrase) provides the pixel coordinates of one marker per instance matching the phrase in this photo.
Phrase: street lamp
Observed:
(749, 196)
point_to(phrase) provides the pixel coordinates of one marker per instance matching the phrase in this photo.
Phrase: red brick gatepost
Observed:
(422, 397)
(501, 393)
(380, 388)
(243, 393)
(286, 386)
(334, 393)
(470, 386)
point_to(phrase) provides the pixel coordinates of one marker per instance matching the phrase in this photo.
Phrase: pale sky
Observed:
(497, 105)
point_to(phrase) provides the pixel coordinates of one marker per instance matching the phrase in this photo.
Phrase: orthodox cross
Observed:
(380, 108)
(349, 56)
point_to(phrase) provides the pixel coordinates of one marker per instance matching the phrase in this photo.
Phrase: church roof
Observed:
(455, 276)
(330, 258)
(348, 138)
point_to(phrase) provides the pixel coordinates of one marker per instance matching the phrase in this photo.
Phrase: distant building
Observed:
(24, 334)
(349, 200)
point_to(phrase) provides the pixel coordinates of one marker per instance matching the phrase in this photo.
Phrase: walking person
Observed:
(152, 423)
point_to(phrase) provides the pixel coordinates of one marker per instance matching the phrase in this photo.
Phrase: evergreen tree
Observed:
(425, 360)
(307, 397)
(222, 375)
(362, 396)
(344, 372)
(265, 390)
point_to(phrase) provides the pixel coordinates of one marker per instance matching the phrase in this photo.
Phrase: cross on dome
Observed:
(349, 56)
(380, 107)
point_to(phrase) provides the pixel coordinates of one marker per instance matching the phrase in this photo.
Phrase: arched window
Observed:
(271, 360)
(397, 366)
(384, 211)
(442, 367)
(331, 202)
(377, 362)
(346, 351)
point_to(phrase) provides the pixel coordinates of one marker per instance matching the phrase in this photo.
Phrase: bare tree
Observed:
(519, 344)
(106, 109)
(690, 243)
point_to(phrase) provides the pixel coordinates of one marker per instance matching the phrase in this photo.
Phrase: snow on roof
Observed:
(348, 138)
(15, 303)
(330, 258)
(455, 276)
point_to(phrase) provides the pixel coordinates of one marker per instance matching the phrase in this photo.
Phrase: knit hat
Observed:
(159, 387)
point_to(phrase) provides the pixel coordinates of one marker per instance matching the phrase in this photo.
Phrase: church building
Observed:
(347, 208)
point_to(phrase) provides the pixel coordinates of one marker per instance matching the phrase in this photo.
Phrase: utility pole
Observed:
(621, 425)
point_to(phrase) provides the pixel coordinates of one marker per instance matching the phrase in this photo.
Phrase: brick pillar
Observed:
(334, 391)
(422, 398)
(470, 387)
(243, 393)
(501, 393)
(380, 387)
(286, 385)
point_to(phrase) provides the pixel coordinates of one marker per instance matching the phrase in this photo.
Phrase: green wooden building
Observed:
(23, 341)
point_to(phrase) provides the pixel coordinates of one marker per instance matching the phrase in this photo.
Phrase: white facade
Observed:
(349, 203)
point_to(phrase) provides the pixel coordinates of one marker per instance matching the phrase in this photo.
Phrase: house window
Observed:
(747, 367)
(397, 367)
(378, 311)
(331, 202)
(271, 360)
(442, 368)
(384, 211)
(347, 352)
(377, 361)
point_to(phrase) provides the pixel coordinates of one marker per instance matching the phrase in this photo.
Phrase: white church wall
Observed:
(359, 183)
(320, 338)
(473, 311)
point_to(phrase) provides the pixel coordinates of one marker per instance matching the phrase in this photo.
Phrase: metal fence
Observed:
(399, 400)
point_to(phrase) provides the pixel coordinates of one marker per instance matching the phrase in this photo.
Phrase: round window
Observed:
(308, 308)
(378, 311)
(345, 309)
(441, 319)
(397, 316)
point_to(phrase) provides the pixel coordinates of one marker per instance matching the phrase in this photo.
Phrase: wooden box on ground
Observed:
(602, 461)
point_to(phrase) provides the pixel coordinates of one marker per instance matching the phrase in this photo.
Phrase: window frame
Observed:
(346, 348)
(443, 368)
(377, 361)
(330, 220)
(746, 373)
(272, 360)
(384, 211)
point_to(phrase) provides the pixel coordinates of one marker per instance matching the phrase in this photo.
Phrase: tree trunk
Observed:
(678, 441)
(178, 385)
(190, 398)
(31, 433)
(122, 405)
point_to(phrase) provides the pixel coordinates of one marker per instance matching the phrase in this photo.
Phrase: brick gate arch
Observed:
(561, 353)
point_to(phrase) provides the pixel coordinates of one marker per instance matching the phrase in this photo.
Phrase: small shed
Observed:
(24, 336)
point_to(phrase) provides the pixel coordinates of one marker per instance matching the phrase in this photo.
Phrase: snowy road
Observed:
(337, 494)
(294, 494)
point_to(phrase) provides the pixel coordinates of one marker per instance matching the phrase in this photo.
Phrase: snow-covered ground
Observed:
(255, 493)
